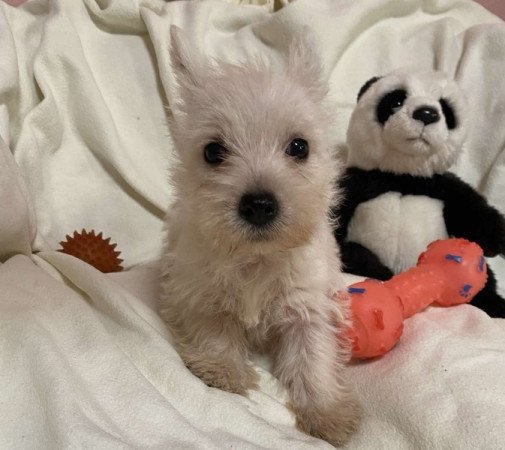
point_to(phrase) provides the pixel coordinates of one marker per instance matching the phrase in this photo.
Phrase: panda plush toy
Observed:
(407, 129)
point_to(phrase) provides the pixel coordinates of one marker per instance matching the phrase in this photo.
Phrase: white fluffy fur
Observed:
(384, 225)
(228, 289)
(397, 147)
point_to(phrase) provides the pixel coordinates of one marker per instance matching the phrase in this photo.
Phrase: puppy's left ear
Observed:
(186, 63)
(304, 65)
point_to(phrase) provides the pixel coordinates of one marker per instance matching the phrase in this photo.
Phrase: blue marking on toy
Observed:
(454, 258)
(465, 290)
(355, 290)
(482, 261)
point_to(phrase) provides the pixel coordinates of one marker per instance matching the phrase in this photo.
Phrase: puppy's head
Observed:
(256, 168)
(408, 122)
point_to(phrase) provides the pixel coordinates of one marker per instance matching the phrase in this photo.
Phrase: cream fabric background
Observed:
(85, 362)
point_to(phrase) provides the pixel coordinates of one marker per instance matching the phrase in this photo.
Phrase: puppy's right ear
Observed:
(186, 64)
(304, 64)
(367, 86)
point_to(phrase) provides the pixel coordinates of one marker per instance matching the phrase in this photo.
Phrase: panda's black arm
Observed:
(468, 215)
(358, 260)
(350, 199)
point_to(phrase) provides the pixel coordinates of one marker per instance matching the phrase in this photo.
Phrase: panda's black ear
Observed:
(366, 86)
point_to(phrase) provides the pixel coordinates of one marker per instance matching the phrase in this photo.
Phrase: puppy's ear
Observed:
(186, 64)
(304, 65)
(367, 86)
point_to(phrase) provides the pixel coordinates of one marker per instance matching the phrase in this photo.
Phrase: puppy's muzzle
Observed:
(258, 209)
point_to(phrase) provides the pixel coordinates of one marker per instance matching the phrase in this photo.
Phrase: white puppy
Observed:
(251, 263)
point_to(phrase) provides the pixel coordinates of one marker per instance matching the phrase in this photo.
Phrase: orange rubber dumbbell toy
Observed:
(450, 272)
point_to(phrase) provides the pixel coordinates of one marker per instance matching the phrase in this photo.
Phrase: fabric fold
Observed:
(17, 222)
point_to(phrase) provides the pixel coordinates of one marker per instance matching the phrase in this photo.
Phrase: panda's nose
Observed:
(426, 115)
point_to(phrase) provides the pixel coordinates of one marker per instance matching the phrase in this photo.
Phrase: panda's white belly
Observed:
(398, 228)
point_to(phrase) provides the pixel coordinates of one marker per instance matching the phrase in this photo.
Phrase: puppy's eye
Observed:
(298, 148)
(390, 104)
(214, 153)
(450, 117)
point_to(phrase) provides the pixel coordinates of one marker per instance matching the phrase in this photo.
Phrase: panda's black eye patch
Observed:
(390, 104)
(450, 117)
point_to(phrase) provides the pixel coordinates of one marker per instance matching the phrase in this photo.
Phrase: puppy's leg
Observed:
(214, 348)
(310, 364)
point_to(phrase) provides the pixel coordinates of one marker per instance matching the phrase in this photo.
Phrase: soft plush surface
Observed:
(85, 362)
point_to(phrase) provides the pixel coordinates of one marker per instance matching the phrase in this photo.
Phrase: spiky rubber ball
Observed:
(93, 249)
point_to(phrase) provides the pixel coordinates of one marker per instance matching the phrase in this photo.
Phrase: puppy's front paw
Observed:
(223, 374)
(334, 423)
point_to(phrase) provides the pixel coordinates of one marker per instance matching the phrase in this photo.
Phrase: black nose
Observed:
(258, 209)
(426, 115)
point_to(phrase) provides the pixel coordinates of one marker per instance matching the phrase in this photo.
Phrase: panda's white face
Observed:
(408, 122)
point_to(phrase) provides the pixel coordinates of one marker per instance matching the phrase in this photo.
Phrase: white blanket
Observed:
(86, 363)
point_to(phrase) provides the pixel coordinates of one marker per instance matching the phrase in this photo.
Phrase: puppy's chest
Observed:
(248, 291)
(397, 228)
(254, 289)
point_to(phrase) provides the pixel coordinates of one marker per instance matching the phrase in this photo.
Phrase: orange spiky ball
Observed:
(93, 249)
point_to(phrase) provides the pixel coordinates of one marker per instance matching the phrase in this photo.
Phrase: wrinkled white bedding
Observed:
(85, 362)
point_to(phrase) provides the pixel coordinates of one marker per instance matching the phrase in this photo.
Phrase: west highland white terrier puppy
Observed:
(251, 263)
